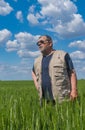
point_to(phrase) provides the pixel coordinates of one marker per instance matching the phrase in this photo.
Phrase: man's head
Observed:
(44, 43)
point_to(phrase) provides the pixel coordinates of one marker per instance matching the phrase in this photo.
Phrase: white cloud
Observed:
(58, 9)
(15, 72)
(27, 54)
(31, 8)
(79, 44)
(74, 27)
(32, 19)
(19, 16)
(4, 35)
(24, 37)
(60, 17)
(79, 65)
(46, 2)
(13, 68)
(5, 8)
(12, 46)
(6, 67)
(27, 40)
(24, 44)
(78, 55)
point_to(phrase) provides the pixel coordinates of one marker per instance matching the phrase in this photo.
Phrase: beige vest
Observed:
(58, 74)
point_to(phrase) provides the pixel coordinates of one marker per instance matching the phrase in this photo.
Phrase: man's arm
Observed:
(35, 80)
(72, 76)
(73, 80)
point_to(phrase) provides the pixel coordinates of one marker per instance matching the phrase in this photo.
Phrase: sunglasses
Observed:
(41, 42)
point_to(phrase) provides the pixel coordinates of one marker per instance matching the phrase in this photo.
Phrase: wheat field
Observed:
(20, 109)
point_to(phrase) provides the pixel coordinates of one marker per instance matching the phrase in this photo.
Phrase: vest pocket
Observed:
(58, 71)
(61, 77)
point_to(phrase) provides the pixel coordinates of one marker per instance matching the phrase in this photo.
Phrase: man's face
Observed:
(43, 44)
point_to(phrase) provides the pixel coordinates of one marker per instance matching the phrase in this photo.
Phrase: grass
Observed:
(20, 109)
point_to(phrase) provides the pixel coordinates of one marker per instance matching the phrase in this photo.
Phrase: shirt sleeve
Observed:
(69, 63)
(33, 69)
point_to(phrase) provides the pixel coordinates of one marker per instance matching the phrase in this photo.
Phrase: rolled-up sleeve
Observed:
(69, 63)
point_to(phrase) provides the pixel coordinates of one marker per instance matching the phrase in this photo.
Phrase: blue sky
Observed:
(23, 21)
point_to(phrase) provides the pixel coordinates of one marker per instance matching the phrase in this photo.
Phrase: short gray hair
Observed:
(47, 36)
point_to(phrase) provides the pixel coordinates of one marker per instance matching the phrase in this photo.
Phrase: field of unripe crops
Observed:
(20, 109)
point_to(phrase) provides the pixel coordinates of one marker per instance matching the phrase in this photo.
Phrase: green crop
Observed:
(20, 109)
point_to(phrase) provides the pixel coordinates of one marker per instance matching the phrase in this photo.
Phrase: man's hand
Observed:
(73, 79)
(35, 81)
(73, 94)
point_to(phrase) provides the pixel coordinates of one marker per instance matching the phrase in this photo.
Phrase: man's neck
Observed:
(46, 53)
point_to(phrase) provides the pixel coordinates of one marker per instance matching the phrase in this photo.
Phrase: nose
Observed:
(39, 44)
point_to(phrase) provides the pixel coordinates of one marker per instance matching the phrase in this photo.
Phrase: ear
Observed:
(51, 44)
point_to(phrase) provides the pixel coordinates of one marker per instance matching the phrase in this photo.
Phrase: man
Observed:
(53, 73)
